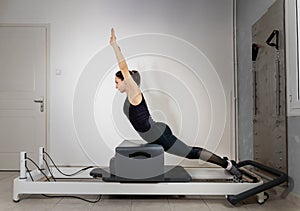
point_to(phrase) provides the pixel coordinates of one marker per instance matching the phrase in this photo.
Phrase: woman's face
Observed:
(120, 85)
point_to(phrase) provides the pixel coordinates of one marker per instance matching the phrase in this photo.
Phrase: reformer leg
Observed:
(16, 196)
(22, 177)
(262, 197)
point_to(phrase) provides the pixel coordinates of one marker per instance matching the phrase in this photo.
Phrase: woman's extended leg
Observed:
(173, 145)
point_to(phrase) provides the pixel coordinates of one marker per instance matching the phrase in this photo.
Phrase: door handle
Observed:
(41, 101)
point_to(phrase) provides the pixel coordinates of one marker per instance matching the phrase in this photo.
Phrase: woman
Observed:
(136, 110)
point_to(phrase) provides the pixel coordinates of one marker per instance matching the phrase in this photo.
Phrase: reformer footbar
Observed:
(280, 178)
(138, 169)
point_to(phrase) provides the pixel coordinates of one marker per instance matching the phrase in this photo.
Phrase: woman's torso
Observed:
(138, 115)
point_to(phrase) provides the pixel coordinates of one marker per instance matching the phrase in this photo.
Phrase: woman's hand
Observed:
(113, 39)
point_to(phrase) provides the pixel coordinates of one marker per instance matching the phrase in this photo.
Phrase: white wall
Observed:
(183, 48)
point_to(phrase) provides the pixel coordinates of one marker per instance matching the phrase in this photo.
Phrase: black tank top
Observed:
(139, 115)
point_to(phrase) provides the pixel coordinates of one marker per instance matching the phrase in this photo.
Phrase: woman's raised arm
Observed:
(120, 58)
(133, 91)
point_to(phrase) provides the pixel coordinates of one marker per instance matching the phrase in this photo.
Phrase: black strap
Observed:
(271, 37)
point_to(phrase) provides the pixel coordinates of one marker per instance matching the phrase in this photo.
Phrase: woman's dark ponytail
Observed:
(134, 74)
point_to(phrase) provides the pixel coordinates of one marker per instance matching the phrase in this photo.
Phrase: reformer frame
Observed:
(206, 181)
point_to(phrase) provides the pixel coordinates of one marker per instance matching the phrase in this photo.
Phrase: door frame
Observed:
(47, 68)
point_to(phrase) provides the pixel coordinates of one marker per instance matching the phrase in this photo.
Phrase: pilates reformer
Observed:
(138, 169)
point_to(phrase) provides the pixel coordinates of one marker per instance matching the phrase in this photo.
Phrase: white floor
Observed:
(134, 203)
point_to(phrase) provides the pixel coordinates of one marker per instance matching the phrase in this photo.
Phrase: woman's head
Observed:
(119, 79)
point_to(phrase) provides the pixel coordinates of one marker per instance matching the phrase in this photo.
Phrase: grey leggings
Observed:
(161, 134)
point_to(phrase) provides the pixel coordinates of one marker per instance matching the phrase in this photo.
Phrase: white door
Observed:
(23, 65)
